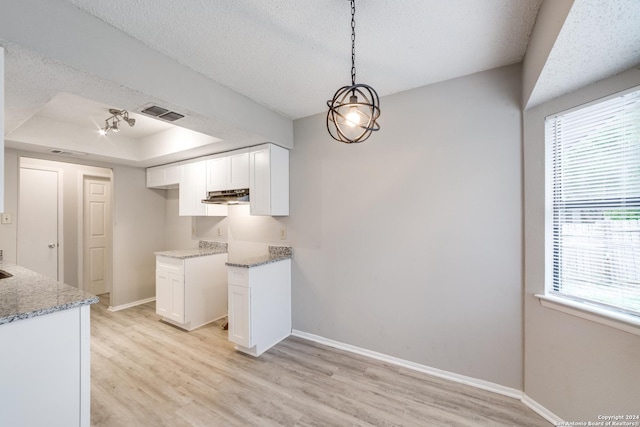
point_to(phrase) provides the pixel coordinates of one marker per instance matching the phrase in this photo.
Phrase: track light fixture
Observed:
(112, 123)
(354, 110)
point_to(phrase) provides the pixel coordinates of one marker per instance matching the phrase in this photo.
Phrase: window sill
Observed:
(621, 321)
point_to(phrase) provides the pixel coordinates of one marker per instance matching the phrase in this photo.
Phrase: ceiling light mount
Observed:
(111, 124)
(354, 110)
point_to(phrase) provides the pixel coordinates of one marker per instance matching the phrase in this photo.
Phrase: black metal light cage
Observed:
(360, 99)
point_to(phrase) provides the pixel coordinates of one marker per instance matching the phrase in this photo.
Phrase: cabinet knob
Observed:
(52, 245)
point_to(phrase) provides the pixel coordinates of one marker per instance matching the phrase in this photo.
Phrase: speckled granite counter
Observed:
(204, 248)
(276, 253)
(29, 294)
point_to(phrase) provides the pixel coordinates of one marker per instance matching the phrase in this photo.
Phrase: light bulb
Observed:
(102, 132)
(353, 118)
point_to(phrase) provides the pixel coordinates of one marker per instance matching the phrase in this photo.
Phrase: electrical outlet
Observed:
(283, 234)
(219, 232)
(6, 218)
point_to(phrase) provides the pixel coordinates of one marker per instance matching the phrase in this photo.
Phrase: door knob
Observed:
(52, 245)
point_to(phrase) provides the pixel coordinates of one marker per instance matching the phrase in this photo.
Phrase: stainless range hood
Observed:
(227, 197)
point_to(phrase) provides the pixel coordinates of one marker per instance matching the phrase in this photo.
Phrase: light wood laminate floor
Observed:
(147, 373)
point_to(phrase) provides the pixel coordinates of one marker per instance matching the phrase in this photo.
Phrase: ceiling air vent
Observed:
(66, 152)
(161, 113)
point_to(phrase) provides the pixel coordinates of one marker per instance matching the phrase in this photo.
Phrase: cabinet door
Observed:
(238, 170)
(269, 180)
(172, 175)
(163, 293)
(217, 174)
(239, 308)
(176, 286)
(167, 176)
(155, 177)
(193, 183)
(259, 181)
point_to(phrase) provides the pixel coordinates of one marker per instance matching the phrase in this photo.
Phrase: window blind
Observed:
(594, 168)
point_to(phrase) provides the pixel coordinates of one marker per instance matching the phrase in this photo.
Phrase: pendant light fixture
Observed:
(354, 110)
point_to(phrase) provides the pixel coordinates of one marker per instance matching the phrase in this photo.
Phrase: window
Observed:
(593, 204)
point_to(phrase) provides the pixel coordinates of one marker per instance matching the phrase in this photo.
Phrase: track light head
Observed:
(115, 119)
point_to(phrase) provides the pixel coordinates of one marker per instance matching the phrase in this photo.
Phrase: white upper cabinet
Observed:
(269, 180)
(228, 171)
(193, 189)
(166, 176)
(217, 173)
(238, 169)
(264, 169)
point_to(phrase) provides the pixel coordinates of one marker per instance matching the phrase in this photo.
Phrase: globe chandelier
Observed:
(355, 109)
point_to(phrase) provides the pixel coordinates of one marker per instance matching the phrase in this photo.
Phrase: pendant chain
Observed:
(353, 42)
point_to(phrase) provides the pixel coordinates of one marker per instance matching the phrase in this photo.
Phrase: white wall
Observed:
(1, 130)
(251, 235)
(9, 232)
(410, 243)
(574, 367)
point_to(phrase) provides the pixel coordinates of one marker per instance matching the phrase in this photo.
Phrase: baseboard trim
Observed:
(541, 410)
(447, 375)
(131, 304)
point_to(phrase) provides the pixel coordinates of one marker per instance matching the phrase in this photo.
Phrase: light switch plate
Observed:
(6, 218)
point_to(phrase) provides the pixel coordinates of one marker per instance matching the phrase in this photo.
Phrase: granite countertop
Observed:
(276, 253)
(204, 248)
(29, 294)
(190, 253)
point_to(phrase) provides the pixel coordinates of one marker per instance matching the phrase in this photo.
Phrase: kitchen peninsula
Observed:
(45, 357)
(191, 285)
(260, 300)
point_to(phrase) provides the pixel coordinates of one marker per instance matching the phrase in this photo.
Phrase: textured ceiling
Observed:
(289, 56)
(599, 38)
(292, 55)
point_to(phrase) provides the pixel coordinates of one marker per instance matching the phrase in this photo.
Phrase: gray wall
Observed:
(138, 232)
(139, 218)
(576, 368)
(70, 243)
(410, 244)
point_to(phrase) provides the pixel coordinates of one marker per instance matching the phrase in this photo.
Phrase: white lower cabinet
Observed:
(45, 370)
(191, 292)
(170, 291)
(259, 306)
(240, 312)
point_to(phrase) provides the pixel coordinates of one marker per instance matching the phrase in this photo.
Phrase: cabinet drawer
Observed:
(172, 264)
(238, 276)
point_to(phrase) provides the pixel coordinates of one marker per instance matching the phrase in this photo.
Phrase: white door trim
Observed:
(39, 164)
(81, 175)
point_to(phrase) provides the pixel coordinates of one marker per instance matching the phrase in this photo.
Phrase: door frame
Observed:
(39, 164)
(81, 175)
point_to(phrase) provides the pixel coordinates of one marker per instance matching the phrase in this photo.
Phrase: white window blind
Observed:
(594, 168)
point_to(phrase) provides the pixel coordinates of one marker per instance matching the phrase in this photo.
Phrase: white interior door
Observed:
(97, 235)
(38, 221)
